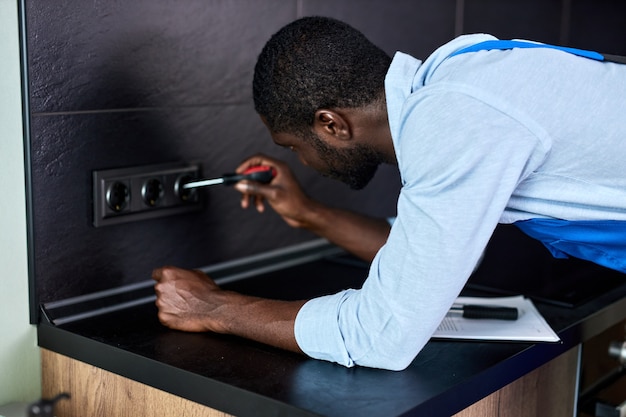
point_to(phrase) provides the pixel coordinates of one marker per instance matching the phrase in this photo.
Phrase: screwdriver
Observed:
(260, 173)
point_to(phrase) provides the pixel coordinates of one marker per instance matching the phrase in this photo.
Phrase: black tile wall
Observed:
(538, 20)
(416, 27)
(143, 53)
(599, 25)
(72, 257)
(115, 84)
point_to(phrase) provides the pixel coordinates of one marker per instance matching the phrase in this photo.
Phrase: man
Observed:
(479, 138)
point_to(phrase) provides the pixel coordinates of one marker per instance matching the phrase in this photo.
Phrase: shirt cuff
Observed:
(317, 329)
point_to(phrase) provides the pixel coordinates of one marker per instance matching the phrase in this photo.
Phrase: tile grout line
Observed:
(131, 109)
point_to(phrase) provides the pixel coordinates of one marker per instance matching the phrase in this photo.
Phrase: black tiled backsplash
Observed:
(146, 53)
(599, 25)
(116, 84)
(73, 257)
(539, 20)
(416, 27)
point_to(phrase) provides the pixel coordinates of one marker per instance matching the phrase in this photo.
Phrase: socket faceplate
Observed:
(144, 192)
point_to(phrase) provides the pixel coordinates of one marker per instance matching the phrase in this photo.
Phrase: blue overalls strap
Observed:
(510, 44)
(600, 241)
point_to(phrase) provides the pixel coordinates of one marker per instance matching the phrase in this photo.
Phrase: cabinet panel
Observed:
(96, 392)
(546, 391)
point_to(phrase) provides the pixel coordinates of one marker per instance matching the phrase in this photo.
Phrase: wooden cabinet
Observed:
(549, 390)
(96, 392)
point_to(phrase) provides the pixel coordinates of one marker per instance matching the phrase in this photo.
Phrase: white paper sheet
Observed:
(529, 327)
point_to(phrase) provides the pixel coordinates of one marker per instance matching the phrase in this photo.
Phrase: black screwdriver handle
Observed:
(261, 173)
(489, 312)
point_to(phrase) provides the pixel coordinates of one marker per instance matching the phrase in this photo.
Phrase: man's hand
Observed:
(361, 235)
(187, 300)
(190, 301)
(283, 194)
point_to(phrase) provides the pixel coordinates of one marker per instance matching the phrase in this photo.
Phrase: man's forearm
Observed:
(190, 301)
(360, 235)
(263, 320)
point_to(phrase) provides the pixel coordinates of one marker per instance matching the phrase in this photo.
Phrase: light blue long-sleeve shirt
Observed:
(480, 138)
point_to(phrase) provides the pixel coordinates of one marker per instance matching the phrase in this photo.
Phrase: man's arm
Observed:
(190, 301)
(358, 234)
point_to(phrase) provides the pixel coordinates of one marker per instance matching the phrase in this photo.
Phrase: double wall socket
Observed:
(144, 192)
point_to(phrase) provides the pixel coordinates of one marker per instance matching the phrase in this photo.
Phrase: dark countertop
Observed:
(245, 378)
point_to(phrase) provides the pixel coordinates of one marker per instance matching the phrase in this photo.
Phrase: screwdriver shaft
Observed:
(263, 174)
(203, 183)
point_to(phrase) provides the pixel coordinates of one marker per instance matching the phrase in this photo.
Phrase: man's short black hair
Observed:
(314, 63)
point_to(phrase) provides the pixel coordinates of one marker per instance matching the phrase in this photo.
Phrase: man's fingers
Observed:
(260, 206)
(157, 274)
(245, 201)
(247, 187)
(163, 272)
(255, 160)
(253, 193)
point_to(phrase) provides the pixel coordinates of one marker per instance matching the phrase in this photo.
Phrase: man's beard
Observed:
(354, 166)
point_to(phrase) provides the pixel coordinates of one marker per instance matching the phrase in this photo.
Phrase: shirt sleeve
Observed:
(317, 329)
(457, 178)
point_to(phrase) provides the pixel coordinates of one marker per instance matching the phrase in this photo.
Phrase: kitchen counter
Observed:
(245, 378)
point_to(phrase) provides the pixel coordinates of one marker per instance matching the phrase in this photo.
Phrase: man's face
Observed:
(355, 165)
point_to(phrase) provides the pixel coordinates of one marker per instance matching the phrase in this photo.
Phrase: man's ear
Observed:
(330, 124)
